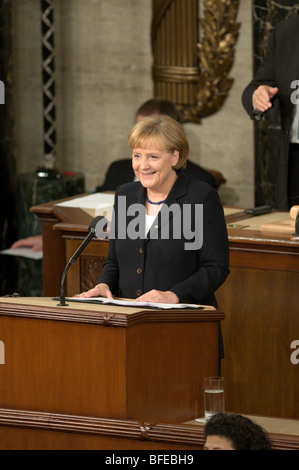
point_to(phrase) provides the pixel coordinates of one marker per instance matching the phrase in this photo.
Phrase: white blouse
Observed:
(149, 219)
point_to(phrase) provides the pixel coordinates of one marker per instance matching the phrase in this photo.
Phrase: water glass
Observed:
(213, 396)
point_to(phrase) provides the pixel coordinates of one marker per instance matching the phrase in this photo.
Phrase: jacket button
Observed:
(139, 271)
(140, 250)
(138, 292)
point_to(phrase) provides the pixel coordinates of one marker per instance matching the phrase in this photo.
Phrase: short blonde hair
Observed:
(168, 132)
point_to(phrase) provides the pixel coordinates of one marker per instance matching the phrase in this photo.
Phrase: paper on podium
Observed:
(131, 303)
(94, 204)
(24, 252)
(91, 201)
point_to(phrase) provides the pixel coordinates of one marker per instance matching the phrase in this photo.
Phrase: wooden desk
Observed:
(261, 302)
(50, 431)
(106, 361)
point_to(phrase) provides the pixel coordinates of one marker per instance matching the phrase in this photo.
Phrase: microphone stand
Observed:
(71, 261)
(92, 230)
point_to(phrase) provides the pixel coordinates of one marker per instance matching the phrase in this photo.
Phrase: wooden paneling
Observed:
(262, 319)
(24, 430)
(63, 367)
(177, 390)
(83, 273)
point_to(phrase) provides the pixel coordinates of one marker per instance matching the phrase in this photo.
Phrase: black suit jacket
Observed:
(279, 68)
(135, 266)
(121, 172)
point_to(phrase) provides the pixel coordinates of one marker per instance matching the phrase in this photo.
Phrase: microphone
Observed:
(97, 225)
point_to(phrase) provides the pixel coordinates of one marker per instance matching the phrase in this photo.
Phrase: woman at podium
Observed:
(168, 241)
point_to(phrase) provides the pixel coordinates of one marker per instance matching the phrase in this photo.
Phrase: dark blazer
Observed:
(135, 266)
(121, 172)
(279, 68)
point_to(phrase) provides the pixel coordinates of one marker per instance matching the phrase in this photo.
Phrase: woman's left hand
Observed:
(158, 296)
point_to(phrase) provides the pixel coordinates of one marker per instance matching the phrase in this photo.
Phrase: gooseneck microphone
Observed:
(99, 225)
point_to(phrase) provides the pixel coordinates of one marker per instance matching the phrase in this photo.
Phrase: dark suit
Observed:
(135, 266)
(279, 69)
(121, 172)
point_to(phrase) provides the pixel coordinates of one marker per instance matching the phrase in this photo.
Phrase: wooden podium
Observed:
(106, 361)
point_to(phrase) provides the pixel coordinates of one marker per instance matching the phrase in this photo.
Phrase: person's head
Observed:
(156, 106)
(159, 148)
(162, 132)
(234, 432)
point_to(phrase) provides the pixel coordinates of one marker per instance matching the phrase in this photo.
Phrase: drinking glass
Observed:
(213, 396)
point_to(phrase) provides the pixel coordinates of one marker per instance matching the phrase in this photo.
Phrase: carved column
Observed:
(189, 70)
(174, 42)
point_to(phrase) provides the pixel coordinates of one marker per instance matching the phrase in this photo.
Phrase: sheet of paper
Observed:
(24, 252)
(92, 201)
(131, 303)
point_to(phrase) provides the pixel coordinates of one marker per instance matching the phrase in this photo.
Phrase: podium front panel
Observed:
(107, 362)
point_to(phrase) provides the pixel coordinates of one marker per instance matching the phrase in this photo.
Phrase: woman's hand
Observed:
(100, 290)
(158, 296)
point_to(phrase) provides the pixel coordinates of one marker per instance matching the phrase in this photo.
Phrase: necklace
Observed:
(156, 203)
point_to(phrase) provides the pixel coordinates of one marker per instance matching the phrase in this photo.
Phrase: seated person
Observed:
(121, 171)
(234, 432)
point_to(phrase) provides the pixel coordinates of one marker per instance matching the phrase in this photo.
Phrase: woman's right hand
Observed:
(100, 290)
